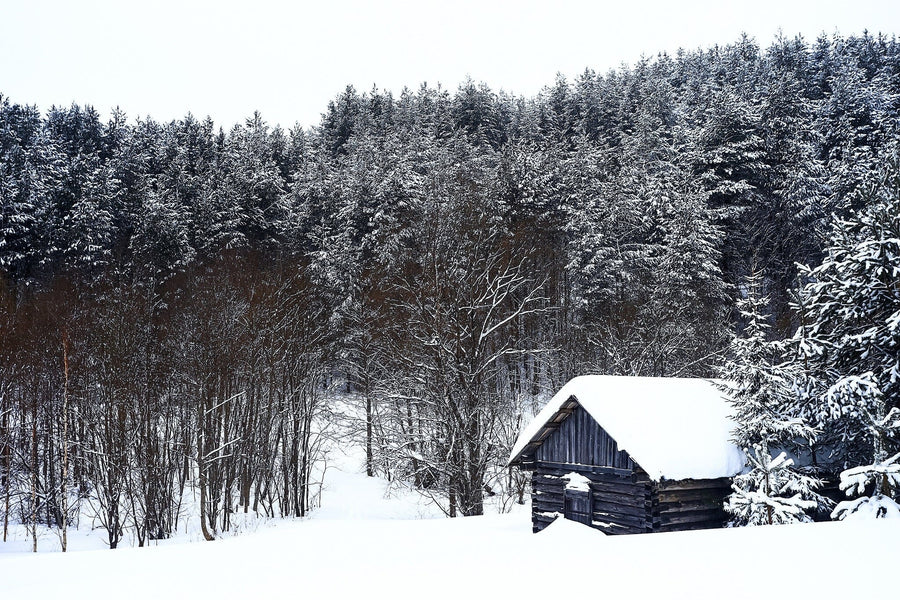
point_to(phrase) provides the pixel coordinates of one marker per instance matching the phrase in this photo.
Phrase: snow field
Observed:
(359, 543)
(376, 539)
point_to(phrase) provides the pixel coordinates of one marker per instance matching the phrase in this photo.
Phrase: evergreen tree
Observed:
(21, 188)
(853, 301)
(792, 204)
(253, 181)
(770, 492)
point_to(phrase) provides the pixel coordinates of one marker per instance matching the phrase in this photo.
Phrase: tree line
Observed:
(180, 305)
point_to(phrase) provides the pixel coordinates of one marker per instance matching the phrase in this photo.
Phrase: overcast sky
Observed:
(225, 59)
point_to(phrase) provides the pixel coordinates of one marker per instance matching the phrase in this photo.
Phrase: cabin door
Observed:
(578, 506)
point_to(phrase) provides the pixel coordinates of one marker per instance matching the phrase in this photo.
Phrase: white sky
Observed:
(288, 59)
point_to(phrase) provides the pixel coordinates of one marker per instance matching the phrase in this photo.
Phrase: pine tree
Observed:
(770, 492)
(853, 301)
(784, 222)
(880, 480)
(22, 191)
(253, 181)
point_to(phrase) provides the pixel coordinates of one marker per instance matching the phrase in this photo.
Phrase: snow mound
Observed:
(577, 482)
(674, 428)
(568, 532)
(866, 508)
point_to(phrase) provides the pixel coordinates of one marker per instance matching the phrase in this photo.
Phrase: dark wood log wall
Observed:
(628, 501)
(623, 497)
(692, 503)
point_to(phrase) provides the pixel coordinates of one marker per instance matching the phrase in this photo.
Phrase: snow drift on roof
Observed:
(673, 428)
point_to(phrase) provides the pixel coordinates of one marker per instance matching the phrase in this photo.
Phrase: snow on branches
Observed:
(766, 412)
(852, 302)
(882, 478)
(772, 492)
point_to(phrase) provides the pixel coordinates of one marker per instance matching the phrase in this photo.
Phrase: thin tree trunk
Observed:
(203, 512)
(7, 472)
(415, 429)
(370, 469)
(201, 437)
(65, 443)
(452, 494)
(768, 490)
(34, 474)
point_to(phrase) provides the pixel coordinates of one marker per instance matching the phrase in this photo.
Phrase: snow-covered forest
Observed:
(180, 304)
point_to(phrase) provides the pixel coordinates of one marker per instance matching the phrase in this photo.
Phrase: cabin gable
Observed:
(620, 495)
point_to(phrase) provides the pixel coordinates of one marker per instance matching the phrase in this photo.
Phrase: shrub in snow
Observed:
(883, 479)
(874, 507)
(772, 492)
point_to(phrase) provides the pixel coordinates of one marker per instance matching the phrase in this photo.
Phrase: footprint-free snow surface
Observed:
(366, 544)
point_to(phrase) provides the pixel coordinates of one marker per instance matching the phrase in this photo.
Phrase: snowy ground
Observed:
(364, 542)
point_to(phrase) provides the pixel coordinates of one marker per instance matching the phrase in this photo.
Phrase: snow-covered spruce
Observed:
(882, 478)
(772, 493)
(852, 302)
(761, 390)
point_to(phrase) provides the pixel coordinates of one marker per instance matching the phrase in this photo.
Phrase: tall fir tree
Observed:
(853, 302)
(770, 491)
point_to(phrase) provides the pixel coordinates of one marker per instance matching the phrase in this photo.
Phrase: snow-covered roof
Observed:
(674, 428)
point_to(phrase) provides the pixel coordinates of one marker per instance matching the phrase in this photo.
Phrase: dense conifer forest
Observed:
(180, 303)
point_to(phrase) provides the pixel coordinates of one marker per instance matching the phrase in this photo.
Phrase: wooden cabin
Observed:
(631, 455)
